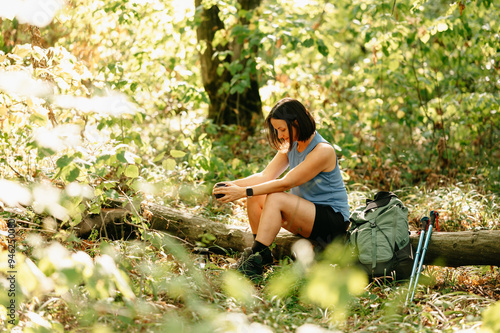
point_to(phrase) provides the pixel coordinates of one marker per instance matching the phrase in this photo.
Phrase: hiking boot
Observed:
(252, 264)
(244, 256)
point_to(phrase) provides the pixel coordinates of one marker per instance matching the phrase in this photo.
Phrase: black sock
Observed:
(264, 250)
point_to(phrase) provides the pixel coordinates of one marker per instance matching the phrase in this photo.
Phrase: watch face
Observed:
(249, 192)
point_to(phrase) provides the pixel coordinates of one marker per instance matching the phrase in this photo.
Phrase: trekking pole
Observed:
(437, 219)
(433, 219)
(424, 221)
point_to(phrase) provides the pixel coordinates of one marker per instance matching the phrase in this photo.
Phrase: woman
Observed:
(315, 208)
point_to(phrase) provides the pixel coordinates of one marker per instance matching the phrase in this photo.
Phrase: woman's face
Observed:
(282, 129)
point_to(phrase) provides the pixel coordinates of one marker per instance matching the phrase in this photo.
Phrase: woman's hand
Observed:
(230, 192)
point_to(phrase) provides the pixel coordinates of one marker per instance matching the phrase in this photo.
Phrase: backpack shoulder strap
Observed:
(381, 199)
(374, 244)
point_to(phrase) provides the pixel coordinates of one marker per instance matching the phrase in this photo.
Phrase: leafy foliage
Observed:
(106, 103)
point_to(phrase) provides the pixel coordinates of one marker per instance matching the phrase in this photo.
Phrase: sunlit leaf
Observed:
(491, 319)
(330, 286)
(169, 164)
(177, 153)
(439, 76)
(235, 163)
(38, 320)
(442, 27)
(132, 171)
(22, 50)
(131, 157)
(238, 287)
(32, 278)
(394, 65)
(425, 38)
(159, 157)
(282, 284)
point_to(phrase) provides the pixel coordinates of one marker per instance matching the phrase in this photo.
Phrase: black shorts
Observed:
(328, 225)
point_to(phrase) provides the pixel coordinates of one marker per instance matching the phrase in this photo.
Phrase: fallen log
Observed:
(462, 248)
(194, 229)
(451, 249)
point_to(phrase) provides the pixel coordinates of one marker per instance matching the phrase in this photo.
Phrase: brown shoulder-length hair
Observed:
(297, 118)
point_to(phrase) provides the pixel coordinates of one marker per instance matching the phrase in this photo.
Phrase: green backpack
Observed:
(379, 237)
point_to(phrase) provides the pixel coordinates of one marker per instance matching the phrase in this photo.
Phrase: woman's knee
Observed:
(256, 202)
(276, 199)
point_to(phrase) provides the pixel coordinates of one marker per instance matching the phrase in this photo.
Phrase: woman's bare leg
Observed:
(288, 211)
(254, 211)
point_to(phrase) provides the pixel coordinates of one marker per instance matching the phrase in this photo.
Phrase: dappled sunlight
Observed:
(115, 105)
(47, 198)
(79, 190)
(21, 83)
(14, 194)
(59, 138)
(35, 12)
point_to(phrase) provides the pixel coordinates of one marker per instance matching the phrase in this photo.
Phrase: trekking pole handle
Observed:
(424, 222)
(435, 219)
(434, 216)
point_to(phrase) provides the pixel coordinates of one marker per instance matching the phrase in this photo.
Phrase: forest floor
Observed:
(447, 299)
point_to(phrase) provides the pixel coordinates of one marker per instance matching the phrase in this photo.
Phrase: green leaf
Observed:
(322, 48)
(177, 153)
(308, 42)
(121, 157)
(64, 161)
(132, 171)
(159, 157)
(394, 64)
(169, 164)
(241, 289)
(442, 26)
(425, 38)
(235, 163)
(490, 318)
(73, 174)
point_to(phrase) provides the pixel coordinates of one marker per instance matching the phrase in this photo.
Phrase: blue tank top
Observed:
(327, 188)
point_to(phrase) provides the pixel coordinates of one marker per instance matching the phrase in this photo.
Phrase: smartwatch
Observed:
(249, 192)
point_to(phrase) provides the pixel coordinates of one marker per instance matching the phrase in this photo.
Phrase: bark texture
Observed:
(241, 108)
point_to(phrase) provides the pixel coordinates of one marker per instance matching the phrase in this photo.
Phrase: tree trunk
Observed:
(228, 106)
(451, 249)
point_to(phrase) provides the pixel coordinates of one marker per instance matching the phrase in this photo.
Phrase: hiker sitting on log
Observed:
(316, 206)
